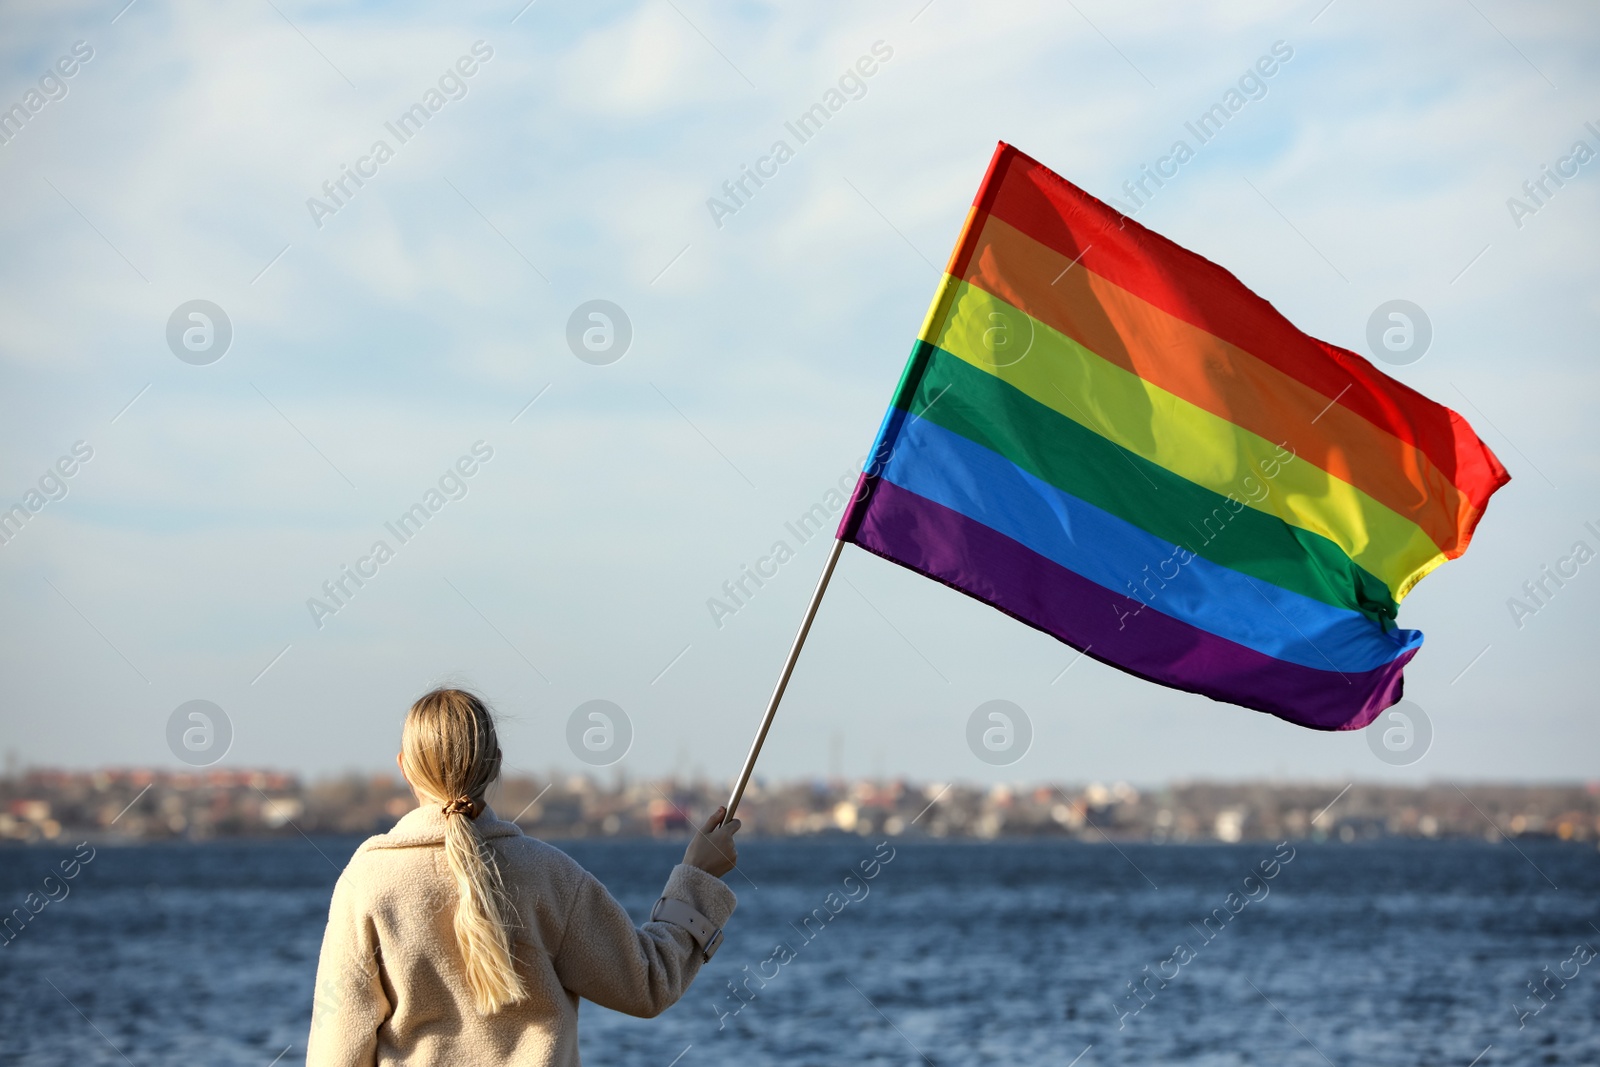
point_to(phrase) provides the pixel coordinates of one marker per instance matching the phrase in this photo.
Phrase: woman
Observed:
(453, 939)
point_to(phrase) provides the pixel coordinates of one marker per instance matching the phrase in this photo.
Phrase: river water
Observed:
(1011, 952)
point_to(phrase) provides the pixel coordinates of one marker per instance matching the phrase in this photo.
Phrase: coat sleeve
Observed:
(640, 971)
(350, 1003)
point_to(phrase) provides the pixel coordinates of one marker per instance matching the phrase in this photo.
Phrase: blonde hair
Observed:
(451, 755)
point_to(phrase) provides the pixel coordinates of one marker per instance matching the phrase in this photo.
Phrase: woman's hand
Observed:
(712, 848)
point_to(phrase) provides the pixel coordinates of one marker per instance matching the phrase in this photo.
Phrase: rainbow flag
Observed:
(1113, 440)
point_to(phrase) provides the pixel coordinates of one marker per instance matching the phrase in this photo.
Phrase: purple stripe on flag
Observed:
(940, 543)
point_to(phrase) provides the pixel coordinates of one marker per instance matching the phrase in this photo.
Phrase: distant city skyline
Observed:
(143, 805)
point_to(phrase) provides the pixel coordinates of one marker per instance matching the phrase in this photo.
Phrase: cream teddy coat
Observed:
(390, 987)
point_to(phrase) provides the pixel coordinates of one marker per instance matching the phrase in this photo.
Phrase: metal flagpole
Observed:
(783, 680)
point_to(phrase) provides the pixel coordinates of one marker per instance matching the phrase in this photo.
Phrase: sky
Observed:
(386, 337)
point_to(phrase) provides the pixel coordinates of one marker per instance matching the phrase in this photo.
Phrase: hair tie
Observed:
(464, 805)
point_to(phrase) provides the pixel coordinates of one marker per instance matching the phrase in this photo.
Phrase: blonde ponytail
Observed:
(451, 756)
